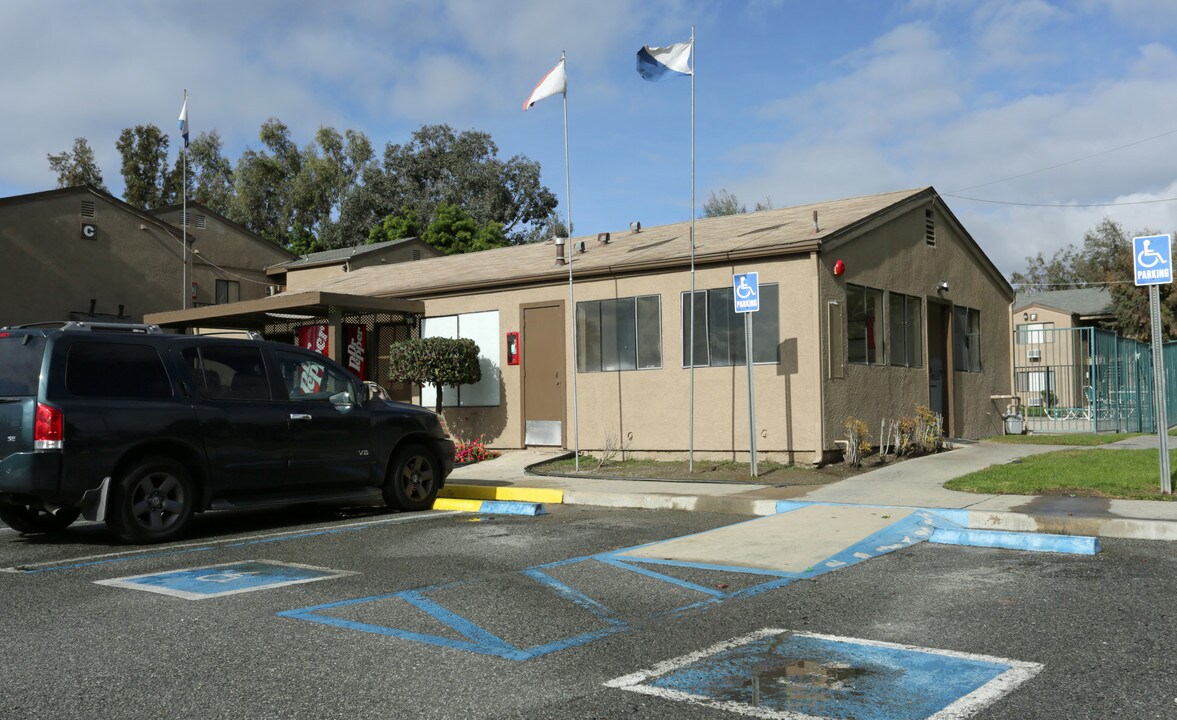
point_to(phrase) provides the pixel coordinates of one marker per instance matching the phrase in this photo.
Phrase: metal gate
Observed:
(1084, 380)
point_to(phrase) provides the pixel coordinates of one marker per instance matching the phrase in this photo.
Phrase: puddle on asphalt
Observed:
(788, 679)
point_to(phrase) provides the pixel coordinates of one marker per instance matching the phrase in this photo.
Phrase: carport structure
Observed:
(280, 317)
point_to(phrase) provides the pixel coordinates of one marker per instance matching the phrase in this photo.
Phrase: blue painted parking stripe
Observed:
(611, 560)
(572, 594)
(476, 633)
(112, 561)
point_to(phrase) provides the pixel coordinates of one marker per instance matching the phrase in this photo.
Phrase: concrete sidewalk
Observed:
(915, 483)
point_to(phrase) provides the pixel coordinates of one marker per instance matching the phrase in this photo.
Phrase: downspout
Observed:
(822, 340)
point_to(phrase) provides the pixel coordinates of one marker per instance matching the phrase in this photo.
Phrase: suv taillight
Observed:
(48, 429)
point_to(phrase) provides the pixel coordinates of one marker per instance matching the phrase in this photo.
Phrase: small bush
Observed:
(858, 444)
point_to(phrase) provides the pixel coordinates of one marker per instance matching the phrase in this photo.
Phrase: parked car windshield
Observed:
(20, 365)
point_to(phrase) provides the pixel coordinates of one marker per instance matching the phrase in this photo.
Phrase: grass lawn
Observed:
(1062, 439)
(1124, 474)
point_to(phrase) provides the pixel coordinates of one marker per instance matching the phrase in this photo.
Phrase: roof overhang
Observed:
(287, 307)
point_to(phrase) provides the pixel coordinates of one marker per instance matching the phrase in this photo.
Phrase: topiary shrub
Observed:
(435, 360)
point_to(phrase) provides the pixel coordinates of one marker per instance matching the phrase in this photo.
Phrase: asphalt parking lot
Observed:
(439, 615)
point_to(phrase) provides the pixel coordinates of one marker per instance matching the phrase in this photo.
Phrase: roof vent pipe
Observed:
(580, 248)
(603, 238)
(635, 226)
(559, 251)
(815, 227)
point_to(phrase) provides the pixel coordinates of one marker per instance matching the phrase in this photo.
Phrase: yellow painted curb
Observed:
(457, 504)
(516, 494)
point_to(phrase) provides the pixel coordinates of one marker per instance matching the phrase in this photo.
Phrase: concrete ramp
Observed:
(798, 541)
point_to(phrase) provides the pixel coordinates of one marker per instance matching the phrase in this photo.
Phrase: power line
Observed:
(1059, 205)
(1063, 164)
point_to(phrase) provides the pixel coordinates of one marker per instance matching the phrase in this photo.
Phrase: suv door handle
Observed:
(300, 416)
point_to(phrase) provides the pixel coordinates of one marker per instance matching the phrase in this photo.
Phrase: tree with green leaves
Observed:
(454, 231)
(441, 167)
(148, 181)
(726, 203)
(438, 361)
(77, 166)
(723, 203)
(1104, 260)
(210, 174)
(395, 227)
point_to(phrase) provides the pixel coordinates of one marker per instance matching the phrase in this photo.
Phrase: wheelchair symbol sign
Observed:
(746, 292)
(1153, 259)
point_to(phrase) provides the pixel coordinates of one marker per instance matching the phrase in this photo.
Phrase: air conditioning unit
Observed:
(271, 290)
(1034, 355)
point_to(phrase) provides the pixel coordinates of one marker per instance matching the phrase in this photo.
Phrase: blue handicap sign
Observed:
(227, 579)
(1152, 256)
(746, 292)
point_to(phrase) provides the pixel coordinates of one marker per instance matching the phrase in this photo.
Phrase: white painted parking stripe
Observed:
(155, 550)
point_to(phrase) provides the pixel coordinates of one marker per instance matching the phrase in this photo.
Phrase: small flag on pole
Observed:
(184, 120)
(659, 63)
(554, 83)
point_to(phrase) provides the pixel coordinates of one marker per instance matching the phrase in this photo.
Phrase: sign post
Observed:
(1153, 260)
(746, 295)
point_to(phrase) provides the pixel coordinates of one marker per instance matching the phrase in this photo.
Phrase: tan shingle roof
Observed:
(729, 237)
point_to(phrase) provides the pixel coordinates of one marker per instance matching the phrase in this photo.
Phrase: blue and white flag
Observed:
(659, 63)
(184, 120)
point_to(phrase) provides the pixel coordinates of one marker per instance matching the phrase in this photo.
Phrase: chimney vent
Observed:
(559, 251)
(603, 238)
(635, 226)
(815, 227)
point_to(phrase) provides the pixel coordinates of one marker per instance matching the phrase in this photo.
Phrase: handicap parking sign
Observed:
(1153, 259)
(746, 289)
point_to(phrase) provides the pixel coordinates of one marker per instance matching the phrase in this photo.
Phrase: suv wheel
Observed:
(27, 519)
(413, 480)
(153, 503)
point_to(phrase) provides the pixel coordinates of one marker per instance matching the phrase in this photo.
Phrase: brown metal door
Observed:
(543, 375)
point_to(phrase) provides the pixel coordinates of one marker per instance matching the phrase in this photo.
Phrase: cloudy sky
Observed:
(1033, 119)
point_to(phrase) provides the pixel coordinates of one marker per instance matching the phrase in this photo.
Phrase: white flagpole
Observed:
(571, 256)
(691, 305)
(184, 217)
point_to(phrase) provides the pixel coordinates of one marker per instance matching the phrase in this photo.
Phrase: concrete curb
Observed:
(517, 494)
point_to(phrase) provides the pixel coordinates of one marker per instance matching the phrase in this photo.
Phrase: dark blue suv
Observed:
(142, 429)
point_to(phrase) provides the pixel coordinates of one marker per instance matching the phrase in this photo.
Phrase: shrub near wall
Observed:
(434, 360)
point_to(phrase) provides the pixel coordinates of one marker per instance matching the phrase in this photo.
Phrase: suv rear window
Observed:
(98, 369)
(20, 365)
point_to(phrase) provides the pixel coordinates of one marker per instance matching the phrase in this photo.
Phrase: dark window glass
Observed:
(228, 291)
(719, 329)
(620, 334)
(232, 373)
(98, 369)
(308, 379)
(864, 325)
(20, 358)
(966, 332)
(905, 336)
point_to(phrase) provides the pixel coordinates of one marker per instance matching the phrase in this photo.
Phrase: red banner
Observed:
(314, 337)
(355, 343)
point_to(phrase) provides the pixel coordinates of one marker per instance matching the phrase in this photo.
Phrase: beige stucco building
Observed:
(870, 307)
(81, 254)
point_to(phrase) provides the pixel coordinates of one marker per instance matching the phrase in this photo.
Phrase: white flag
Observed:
(554, 83)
